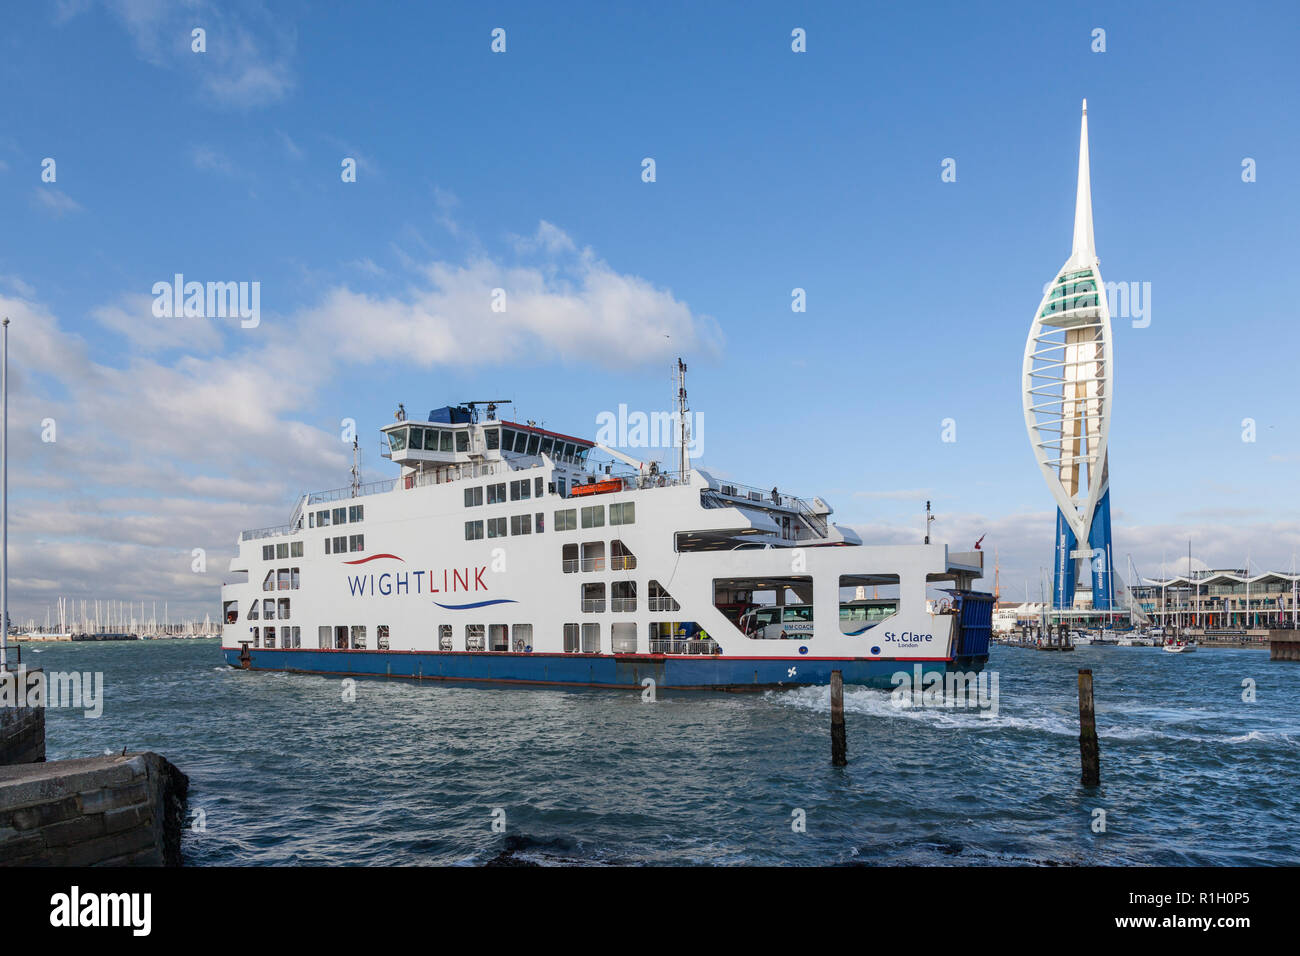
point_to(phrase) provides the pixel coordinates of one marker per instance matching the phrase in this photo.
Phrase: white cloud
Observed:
(169, 442)
(55, 201)
(249, 50)
(133, 318)
(207, 159)
(573, 307)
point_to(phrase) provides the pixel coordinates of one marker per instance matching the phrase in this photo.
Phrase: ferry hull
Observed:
(593, 670)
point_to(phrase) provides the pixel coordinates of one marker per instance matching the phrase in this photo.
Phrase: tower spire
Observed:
(1084, 250)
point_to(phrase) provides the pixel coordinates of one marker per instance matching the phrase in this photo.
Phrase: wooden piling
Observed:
(838, 747)
(1088, 746)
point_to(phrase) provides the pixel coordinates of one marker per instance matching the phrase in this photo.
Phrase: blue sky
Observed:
(775, 170)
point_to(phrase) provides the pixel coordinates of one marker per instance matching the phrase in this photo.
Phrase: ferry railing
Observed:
(593, 564)
(700, 645)
(622, 562)
(593, 605)
(570, 565)
(622, 604)
(265, 532)
(663, 604)
(340, 494)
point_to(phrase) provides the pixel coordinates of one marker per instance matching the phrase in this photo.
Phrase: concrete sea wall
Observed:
(117, 810)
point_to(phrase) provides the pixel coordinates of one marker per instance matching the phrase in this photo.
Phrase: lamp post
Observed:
(4, 501)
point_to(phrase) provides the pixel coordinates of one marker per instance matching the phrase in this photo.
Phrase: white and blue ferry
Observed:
(504, 553)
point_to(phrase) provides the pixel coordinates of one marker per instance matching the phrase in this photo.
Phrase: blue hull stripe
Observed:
(592, 670)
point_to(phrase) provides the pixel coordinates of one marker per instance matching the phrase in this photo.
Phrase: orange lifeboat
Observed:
(598, 488)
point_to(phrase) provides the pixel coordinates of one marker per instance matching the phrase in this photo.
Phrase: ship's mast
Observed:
(682, 409)
(356, 467)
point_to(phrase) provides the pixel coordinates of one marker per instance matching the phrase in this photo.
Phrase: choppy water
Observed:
(287, 772)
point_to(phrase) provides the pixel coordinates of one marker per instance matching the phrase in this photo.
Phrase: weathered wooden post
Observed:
(1088, 747)
(838, 758)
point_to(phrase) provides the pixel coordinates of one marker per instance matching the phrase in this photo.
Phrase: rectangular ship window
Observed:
(473, 530)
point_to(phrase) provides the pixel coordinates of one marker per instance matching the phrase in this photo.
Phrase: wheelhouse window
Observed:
(548, 445)
(492, 437)
(444, 441)
(462, 441)
(417, 439)
(397, 439)
(534, 441)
